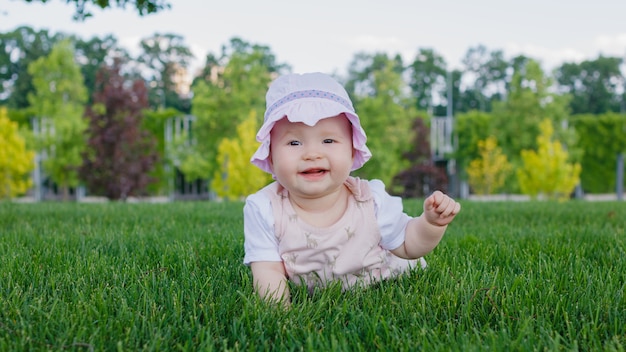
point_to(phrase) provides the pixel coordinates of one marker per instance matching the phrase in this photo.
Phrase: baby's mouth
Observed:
(313, 171)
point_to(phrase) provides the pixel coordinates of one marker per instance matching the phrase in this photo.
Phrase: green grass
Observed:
(507, 276)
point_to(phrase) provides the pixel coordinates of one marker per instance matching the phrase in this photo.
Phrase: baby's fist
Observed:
(440, 209)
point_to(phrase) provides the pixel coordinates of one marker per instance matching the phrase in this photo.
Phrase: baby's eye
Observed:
(294, 143)
(328, 140)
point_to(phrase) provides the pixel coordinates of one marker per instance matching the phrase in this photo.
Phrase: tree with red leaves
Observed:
(423, 177)
(120, 153)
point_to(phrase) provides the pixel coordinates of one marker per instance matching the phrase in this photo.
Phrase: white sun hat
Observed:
(308, 98)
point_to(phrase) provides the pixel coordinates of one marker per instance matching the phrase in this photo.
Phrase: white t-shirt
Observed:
(261, 244)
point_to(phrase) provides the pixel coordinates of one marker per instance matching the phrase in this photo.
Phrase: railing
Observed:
(441, 137)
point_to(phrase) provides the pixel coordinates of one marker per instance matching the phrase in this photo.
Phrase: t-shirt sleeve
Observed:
(260, 243)
(390, 215)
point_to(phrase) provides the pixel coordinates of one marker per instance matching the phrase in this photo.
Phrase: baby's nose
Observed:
(312, 154)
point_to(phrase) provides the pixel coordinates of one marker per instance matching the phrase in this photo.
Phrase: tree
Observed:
(470, 128)
(453, 78)
(547, 170)
(594, 85)
(422, 177)
(236, 84)
(58, 102)
(603, 138)
(93, 54)
(530, 100)
(427, 73)
(166, 58)
(18, 49)
(487, 71)
(143, 7)
(488, 173)
(16, 162)
(361, 71)
(120, 154)
(237, 177)
(386, 118)
(153, 122)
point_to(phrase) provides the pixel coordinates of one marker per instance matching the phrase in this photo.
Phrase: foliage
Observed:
(386, 117)
(602, 137)
(470, 128)
(516, 92)
(427, 76)
(516, 121)
(16, 161)
(18, 49)
(487, 174)
(143, 7)
(154, 122)
(359, 82)
(166, 58)
(422, 177)
(519, 276)
(237, 177)
(547, 170)
(222, 100)
(121, 154)
(488, 74)
(595, 85)
(58, 103)
(93, 54)
(451, 93)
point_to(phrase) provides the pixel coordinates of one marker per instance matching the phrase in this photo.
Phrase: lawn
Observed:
(507, 276)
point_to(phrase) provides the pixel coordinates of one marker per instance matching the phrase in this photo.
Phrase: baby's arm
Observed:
(423, 233)
(270, 281)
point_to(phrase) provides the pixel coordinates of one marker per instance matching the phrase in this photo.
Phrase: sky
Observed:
(324, 35)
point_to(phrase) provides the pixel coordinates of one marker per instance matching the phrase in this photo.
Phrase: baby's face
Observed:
(312, 161)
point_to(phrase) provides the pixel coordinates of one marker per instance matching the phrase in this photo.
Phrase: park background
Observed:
(100, 119)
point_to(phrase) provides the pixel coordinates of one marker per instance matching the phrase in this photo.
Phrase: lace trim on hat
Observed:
(309, 94)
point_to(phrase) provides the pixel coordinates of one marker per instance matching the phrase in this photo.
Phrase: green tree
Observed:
(58, 102)
(594, 85)
(237, 177)
(603, 138)
(16, 162)
(488, 173)
(470, 128)
(236, 84)
(18, 49)
(427, 74)
(166, 58)
(488, 72)
(387, 117)
(143, 7)
(360, 82)
(153, 122)
(453, 78)
(547, 170)
(93, 54)
(530, 100)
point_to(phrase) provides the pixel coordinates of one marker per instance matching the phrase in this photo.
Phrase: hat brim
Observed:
(309, 112)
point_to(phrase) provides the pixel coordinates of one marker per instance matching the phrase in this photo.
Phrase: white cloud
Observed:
(390, 45)
(551, 57)
(373, 43)
(614, 45)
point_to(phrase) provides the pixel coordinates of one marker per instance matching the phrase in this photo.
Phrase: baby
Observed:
(316, 224)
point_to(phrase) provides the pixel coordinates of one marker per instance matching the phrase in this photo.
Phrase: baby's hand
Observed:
(439, 209)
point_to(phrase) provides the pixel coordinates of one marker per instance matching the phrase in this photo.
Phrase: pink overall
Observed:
(348, 250)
